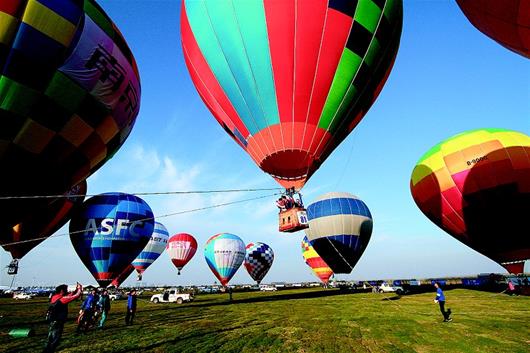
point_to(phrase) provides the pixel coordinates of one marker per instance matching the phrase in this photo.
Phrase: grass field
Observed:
(302, 321)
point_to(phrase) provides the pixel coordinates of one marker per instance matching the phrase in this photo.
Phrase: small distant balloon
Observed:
(108, 232)
(181, 248)
(224, 254)
(258, 260)
(152, 250)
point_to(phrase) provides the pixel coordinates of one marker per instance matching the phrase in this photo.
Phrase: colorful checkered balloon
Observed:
(258, 260)
(69, 96)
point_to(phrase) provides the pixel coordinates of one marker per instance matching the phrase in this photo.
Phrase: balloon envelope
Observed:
(315, 262)
(109, 231)
(340, 226)
(224, 254)
(43, 222)
(507, 22)
(289, 80)
(153, 249)
(476, 187)
(69, 93)
(181, 248)
(258, 260)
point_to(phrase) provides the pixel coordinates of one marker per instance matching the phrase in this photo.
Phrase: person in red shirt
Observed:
(57, 314)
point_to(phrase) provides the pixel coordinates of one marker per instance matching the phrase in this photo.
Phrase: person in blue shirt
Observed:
(87, 311)
(440, 299)
(131, 307)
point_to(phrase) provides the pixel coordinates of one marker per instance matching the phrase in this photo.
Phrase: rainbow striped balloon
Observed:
(476, 187)
(224, 254)
(315, 262)
(289, 80)
(153, 249)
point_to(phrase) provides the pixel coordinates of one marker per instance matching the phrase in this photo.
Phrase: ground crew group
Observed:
(93, 313)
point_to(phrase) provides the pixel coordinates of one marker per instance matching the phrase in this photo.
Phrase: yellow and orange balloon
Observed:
(317, 264)
(476, 187)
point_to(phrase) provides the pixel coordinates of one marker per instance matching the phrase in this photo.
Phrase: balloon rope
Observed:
(142, 193)
(152, 218)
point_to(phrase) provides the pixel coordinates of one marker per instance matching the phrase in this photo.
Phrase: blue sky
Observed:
(448, 78)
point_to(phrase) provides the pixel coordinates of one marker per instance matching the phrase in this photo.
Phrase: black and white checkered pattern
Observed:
(258, 260)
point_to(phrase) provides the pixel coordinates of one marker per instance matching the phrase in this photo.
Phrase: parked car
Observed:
(171, 296)
(386, 288)
(268, 289)
(24, 296)
(116, 296)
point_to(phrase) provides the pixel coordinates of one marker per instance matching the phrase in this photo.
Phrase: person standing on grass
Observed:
(131, 307)
(57, 314)
(104, 307)
(440, 299)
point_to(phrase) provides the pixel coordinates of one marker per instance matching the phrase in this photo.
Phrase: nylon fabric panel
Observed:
(222, 47)
(208, 86)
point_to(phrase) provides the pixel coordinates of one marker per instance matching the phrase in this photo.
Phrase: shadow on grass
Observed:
(276, 297)
(396, 297)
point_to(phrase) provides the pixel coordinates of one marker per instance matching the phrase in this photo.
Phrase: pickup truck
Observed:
(171, 296)
(385, 288)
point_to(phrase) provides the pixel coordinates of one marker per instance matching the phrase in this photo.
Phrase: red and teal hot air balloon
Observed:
(69, 97)
(289, 80)
(181, 248)
(224, 254)
(109, 231)
(476, 187)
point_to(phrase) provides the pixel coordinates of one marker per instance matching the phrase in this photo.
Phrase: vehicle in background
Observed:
(266, 288)
(386, 288)
(24, 296)
(172, 296)
(116, 296)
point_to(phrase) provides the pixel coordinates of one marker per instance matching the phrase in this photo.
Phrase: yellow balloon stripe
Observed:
(48, 22)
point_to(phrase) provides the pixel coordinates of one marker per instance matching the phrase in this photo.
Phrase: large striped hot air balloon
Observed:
(289, 80)
(340, 226)
(152, 250)
(109, 231)
(505, 21)
(181, 248)
(69, 96)
(319, 267)
(224, 254)
(258, 260)
(476, 187)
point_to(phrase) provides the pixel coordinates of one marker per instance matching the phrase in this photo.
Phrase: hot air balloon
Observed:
(507, 22)
(340, 226)
(181, 248)
(109, 231)
(476, 187)
(315, 262)
(224, 254)
(69, 97)
(258, 260)
(289, 80)
(152, 250)
(45, 221)
(116, 282)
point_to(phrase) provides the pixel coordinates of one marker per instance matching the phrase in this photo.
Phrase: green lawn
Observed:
(302, 321)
